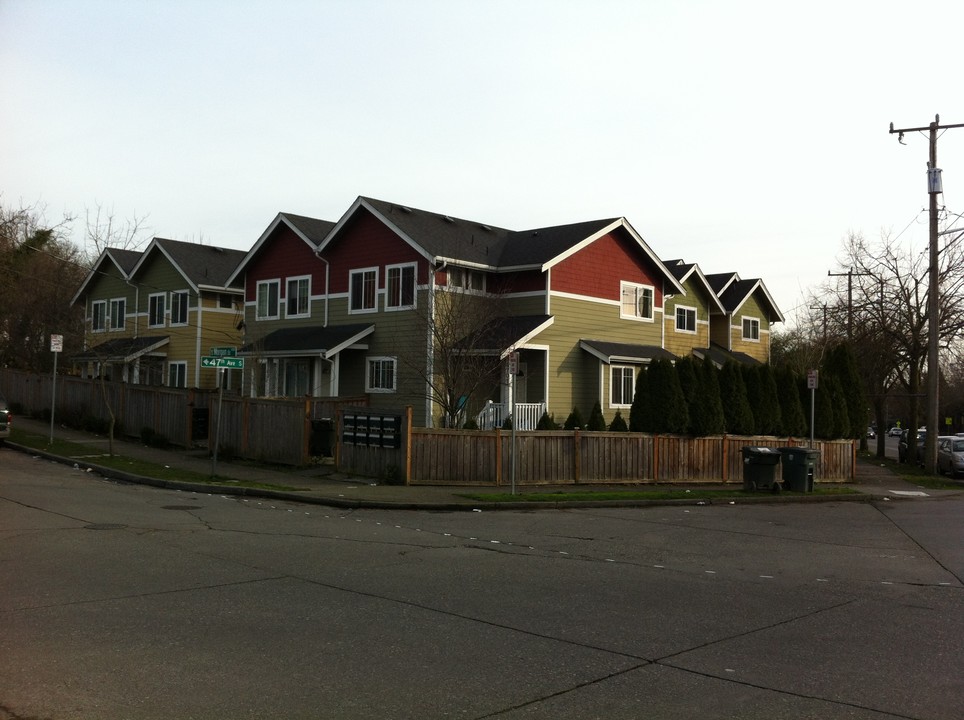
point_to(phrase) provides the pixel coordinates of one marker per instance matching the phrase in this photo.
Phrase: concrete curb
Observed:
(435, 506)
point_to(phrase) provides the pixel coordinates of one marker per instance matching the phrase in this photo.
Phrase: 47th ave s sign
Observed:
(233, 363)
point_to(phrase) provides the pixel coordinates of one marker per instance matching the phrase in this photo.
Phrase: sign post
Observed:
(812, 382)
(219, 359)
(56, 347)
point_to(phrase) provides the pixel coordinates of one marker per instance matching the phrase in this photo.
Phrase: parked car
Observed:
(902, 445)
(894, 431)
(871, 433)
(6, 419)
(950, 455)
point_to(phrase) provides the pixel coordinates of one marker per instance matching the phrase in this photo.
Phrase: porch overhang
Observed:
(614, 352)
(309, 341)
(123, 350)
(719, 356)
(505, 335)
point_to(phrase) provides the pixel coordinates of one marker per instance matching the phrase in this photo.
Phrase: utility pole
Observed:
(934, 188)
(850, 298)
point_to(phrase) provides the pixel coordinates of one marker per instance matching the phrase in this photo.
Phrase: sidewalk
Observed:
(323, 485)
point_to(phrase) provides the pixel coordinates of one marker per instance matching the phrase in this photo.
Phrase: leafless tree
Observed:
(103, 230)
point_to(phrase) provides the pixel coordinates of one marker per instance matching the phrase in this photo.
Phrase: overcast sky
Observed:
(743, 136)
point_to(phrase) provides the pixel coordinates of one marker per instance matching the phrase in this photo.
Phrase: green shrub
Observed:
(574, 420)
(547, 423)
(596, 420)
(618, 424)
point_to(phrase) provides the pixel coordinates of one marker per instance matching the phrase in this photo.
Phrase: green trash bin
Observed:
(799, 468)
(760, 468)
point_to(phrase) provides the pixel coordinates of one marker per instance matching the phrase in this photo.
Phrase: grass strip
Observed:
(86, 453)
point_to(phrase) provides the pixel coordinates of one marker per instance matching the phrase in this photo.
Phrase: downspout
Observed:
(317, 252)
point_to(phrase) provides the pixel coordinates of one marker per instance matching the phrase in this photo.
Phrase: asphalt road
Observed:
(133, 602)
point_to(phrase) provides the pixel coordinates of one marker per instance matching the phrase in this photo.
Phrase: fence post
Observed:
(655, 458)
(306, 434)
(407, 446)
(726, 459)
(498, 456)
(576, 456)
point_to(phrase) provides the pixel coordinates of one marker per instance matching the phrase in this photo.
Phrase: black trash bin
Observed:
(322, 437)
(799, 468)
(760, 468)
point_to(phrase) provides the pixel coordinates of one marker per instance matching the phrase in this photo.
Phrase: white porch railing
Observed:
(493, 415)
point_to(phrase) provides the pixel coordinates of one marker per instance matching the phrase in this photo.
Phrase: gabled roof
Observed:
(205, 266)
(311, 230)
(721, 281)
(443, 238)
(309, 340)
(123, 260)
(684, 272)
(738, 292)
(615, 352)
(123, 350)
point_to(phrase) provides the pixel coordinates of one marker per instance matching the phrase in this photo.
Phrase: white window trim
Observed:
(756, 320)
(93, 316)
(110, 315)
(365, 310)
(163, 297)
(401, 267)
(187, 308)
(381, 358)
(177, 363)
(257, 299)
(623, 285)
(696, 319)
(612, 369)
(298, 279)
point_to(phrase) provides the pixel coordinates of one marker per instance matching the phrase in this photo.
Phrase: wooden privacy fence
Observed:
(272, 430)
(464, 457)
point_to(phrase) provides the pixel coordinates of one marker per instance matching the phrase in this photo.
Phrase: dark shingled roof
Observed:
(122, 349)
(202, 264)
(470, 241)
(720, 356)
(503, 333)
(308, 340)
(125, 259)
(312, 228)
(626, 352)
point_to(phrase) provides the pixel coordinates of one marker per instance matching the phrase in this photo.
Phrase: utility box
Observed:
(760, 469)
(799, 468)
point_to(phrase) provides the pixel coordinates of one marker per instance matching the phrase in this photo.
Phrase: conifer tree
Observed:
(574, 420)
(640, 417)
(669, 410)
(619, 423)
(793, 418)
(736, 409)
(596, 420)
(706, 413)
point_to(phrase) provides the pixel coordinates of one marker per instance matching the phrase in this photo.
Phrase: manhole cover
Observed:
(105, 526)
(180, 507)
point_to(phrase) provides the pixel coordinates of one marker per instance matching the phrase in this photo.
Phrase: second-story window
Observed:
(751, 329)
(401, 287)
(636, 301)
(297, 297)
(466, 279)
(267, 300)
(363, 290)
(118, 313)
(179, 305)
(98, 316)
(685, 319)
(155, 310)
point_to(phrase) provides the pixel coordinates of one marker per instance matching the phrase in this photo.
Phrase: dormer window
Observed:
(751, 329)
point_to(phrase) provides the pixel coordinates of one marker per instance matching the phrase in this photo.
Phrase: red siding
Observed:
(597, 269)
(367, 242)
(283, 255)
(528, 281)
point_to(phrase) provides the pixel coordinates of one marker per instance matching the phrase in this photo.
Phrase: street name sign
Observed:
(232, 363)
(223, 352)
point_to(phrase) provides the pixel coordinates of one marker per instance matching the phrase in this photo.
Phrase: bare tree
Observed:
(886, 302)
(468, 334)
(103, 230)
